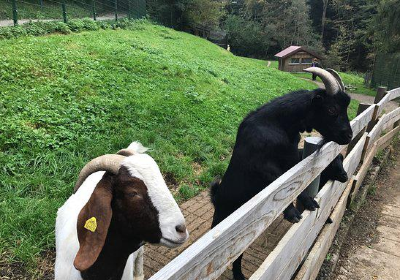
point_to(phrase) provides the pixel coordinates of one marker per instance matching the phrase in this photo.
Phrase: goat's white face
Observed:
(170, 218)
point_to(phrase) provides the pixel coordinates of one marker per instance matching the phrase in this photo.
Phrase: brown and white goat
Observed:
(120, 202)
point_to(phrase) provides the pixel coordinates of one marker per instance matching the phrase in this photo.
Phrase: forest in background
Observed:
(350, 33)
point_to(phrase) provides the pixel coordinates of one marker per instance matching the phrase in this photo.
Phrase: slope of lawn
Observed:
(31, 9)
(65, 99)
(354, 81)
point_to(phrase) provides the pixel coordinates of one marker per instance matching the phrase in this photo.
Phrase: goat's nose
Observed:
(181, 228)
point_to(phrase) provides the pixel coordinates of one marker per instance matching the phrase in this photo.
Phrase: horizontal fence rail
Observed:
(209, 256)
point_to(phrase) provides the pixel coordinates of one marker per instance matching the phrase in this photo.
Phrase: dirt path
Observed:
(371, 250)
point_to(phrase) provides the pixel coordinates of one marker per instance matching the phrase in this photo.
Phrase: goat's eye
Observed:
(132, 194)
(332, 111)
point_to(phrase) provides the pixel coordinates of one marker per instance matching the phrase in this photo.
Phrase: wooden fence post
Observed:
(311, 144)
(380, 93)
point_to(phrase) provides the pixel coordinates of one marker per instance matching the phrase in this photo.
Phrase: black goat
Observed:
(334, 172)
(267, 141)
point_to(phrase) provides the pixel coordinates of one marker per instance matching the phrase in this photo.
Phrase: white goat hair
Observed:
(67, 244)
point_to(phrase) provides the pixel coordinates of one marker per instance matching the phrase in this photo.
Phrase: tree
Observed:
(385, 26)
(206, 13)
(324, 8)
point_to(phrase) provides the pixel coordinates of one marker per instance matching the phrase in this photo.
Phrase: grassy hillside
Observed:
(30, 9)
(65, 99)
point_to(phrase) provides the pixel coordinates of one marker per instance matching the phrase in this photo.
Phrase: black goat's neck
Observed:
(111, 262)
(293, 112)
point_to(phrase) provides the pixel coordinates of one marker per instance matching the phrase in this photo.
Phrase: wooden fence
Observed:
(301, 251)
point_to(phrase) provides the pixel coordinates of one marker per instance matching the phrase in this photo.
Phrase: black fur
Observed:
(334, 172)
(266, 147)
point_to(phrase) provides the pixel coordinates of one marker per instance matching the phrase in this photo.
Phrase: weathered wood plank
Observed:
(310, 268)
(392, 94)
(390, 118)
(356, 137)
(359, 178)
(283, 261)
(208, 257)
(361, 121)
(374, 133)
(385, 140)
(386, 121)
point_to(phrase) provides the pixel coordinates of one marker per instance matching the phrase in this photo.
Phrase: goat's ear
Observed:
(317, 99)
(93, 222)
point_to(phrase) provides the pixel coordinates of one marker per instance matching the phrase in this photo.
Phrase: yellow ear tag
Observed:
(91, 224)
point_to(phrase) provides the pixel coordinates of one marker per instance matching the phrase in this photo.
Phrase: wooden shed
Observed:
(296, 58)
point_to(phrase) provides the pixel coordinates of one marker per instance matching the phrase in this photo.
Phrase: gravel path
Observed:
(371, 250)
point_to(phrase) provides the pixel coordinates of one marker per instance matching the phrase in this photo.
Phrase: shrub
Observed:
(89, 24)
(62, 28)
(5, 33)
(76, 25)
(35, 29)
(18, 31)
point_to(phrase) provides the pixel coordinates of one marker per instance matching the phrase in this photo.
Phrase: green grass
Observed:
(354, 81)
(29, 9)
(274, 64)
(65, 99)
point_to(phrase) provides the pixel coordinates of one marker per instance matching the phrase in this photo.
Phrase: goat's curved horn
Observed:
(126, 152)
(330, 82)
(337, 77)
(110, 163)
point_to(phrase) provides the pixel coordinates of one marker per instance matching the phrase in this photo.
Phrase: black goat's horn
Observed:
(331, 84)
(337, 77)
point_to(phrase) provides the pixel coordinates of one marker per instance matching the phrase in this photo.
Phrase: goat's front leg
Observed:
(307, 202)
(292, 214)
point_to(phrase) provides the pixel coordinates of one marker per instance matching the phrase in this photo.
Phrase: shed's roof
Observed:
(287, 51)
(294, 49)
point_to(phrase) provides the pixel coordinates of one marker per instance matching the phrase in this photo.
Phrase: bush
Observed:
(36, 29)
(76, 25)
(18, 31)
(62, 28)
(5, 33)
(41, 28)
(104, 24)
(89, 24)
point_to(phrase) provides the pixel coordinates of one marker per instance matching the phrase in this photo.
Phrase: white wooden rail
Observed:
(209, 256)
